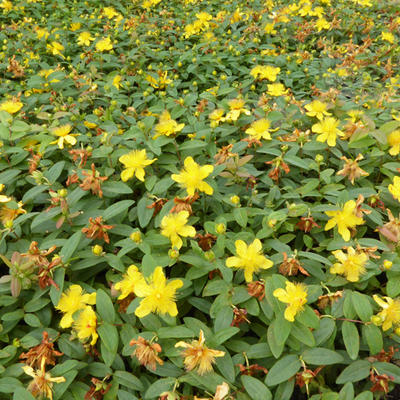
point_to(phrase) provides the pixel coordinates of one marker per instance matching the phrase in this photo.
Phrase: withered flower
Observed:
(256, 289)
(93, 181)
(376, 202)
(184, 204)
(223, 154)
(83, 154)
(306, 376)
(384, 356)
(391, 230)
(43, 351)
(291, 266)
(358, 211)
(252, 142)
(146, 352)
(239, 316)
(306, 224)
(351, 168)
(15, 67)
(157, 205)
(329, 299)
(98, 389)
(73, 178)
(45, 273)
(97, 230)
(381, 382)
(34, 161)
(206, 241)
(38, 257)
(252, 369)
(278, 166)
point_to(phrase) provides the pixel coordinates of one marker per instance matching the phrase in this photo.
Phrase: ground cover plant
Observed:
(199, 199)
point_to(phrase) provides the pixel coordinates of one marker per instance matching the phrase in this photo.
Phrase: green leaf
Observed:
(22, 394)
(283, 369)
(325, 330)
(367, 395)
(70, 246)
(174, 332)
(240, 215)
(302, 334)
(158, 387)
(105, 307)
(356, 371)
(308, 318)
(388, 369)
(129, 380)
(373, 336)
(255, 388)
(109, 342)
(223, 335)
(351, 339)
(321, 356)
(117, 208)
(144, 214)
(362, 306)
(226, 367)
(347, 392)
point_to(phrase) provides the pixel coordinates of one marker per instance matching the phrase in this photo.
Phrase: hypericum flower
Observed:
(55, 48)
(322, 23)
(117, 81)
(6, 5)
(216, 117)
(146, 352)
(260, 129)
(86, 324)
(249, 258)
(85, 38)
(388, 36)
(104, 44)
(192, 175)
(174, 225)
(8, 214)
(351, 265)
(64, 135)
(394, 188)
(97, 230)
(4, 198)
(351, 168)
(110, 12)
(135, 162)
(167, 126)
(328, 131)
(198, 355)
(295, 296)
(276, 89)
(236, 108)
(11, 106)
(127, 285)
(161, 81)
(269, 28)
(394, 142)
(390, 315)
(42, 384)
(72, 300)
(75, 26)
(317, 109)
(159, 296)
(265, 72)
(344, 219)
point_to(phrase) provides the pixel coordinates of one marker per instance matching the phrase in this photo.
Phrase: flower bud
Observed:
(209, 255)
(376, 320)
(136, 237)
(62, 192)
(319, 158)
(97, 250)
(235, 199)
(220, 228)
(173, 253)
(387, 264)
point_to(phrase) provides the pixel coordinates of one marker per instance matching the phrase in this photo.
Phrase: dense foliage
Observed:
(199, 199)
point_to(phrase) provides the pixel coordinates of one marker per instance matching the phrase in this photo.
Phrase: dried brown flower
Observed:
(351, 169)
(147, 352)
(184, 204)
(291, 266)
(97, 230)
(256, 289)
(93, 181)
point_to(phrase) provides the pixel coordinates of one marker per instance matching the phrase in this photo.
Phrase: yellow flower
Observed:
(236, 108)
(85, 38)
(6, 5)
(117, 81)
(295, 296)
(249, 258)
(129, 281)
(344, 219)
(174, 225)
(159, 296)
(3, 198)
(7, 215)
(11, 106)
(317, 109)
(388, 36)
(86, 324)
(328, 131)
(64, 135)
(265, 72)
(167, 126)
(394, 142)
(270, 28)
(276, 89)
(75, 26)
(161, 82)
(260, 129)
(89, 125)
(72, 300)
(390, 315)
(198, 355)
(192, 175)
(135, 162)
(394, 188)
(104, 44)
(216, 117)
(55, 48)
(351, 265)
(322, 23)
(42, 384)
(110, 12)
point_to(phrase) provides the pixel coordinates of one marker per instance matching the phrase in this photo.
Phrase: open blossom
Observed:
(390, 314)
(249, 258)
(127, 285)
(85, 325)
(216, 117)
(236, 109)
(135, 162)
(328, 131)
(265, 72)
(174, 225)
(198, 355)
(104, 44)
(351, 265)
(158, 295)
(295, 295)
(85, 38)
(317, 109)
(11, 106)
(394, 188)
(388, 36)
(72, 300)
(344, 219)
(167, 126)
(276, 89)
(192, 177)
(55, 48)
(394, 142)
(146, 352)
(260, 129)
(64, 135)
